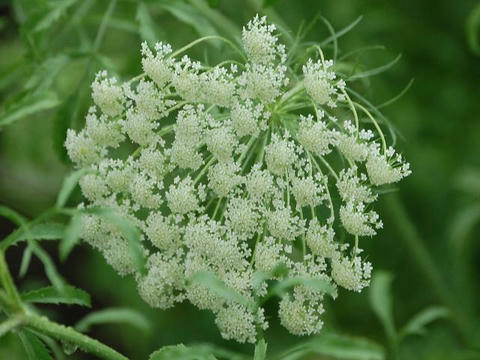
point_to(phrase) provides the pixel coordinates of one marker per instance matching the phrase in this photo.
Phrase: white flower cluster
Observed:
(222, 173)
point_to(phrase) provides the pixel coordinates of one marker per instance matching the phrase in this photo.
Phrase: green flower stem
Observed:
(68, 334)
(410, 236)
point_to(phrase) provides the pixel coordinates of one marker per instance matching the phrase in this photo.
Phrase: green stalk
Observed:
(68, 334)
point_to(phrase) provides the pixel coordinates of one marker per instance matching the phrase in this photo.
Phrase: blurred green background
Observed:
(50, 51)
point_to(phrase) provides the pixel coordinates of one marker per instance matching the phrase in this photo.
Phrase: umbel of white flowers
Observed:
(234, 169)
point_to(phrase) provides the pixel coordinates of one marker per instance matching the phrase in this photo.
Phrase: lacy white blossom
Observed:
(235, 170)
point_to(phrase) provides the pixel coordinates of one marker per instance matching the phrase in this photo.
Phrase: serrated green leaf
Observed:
(71, 236)
(114, 316)
(50, 295)
(260, 350)
(381, 301)
(33, 346)
(416, 325)
(336, 346)
(180, 352)
(216, 285)
(28, 105)
(45, 231)
(69, 184)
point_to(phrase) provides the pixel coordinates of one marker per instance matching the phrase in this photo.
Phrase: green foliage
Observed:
(34, 347)
(181, 352)
(336, 346)
(51, 295)
(50, 60)
(381, 301)
(260, 350)
(114, 316)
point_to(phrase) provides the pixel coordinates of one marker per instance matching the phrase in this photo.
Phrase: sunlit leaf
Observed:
(114, 316)
(180, 352)
(51, 295)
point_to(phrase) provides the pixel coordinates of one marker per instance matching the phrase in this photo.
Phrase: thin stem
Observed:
(68, 334)
(352, 107)
(375, 123)
(205, 38)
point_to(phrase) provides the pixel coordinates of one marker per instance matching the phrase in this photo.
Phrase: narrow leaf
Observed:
(212, 282)
(375, 71)
(71, 236)
(191, 16)
(416, 325)
(316, 284)
(114, 316)
(33, 346)
(146, 25)
(69, 184)
(28, 105)
(180, 352)
(50, 295)
(336, 346)
(46, 231)
(129, 230)
(381, 301)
